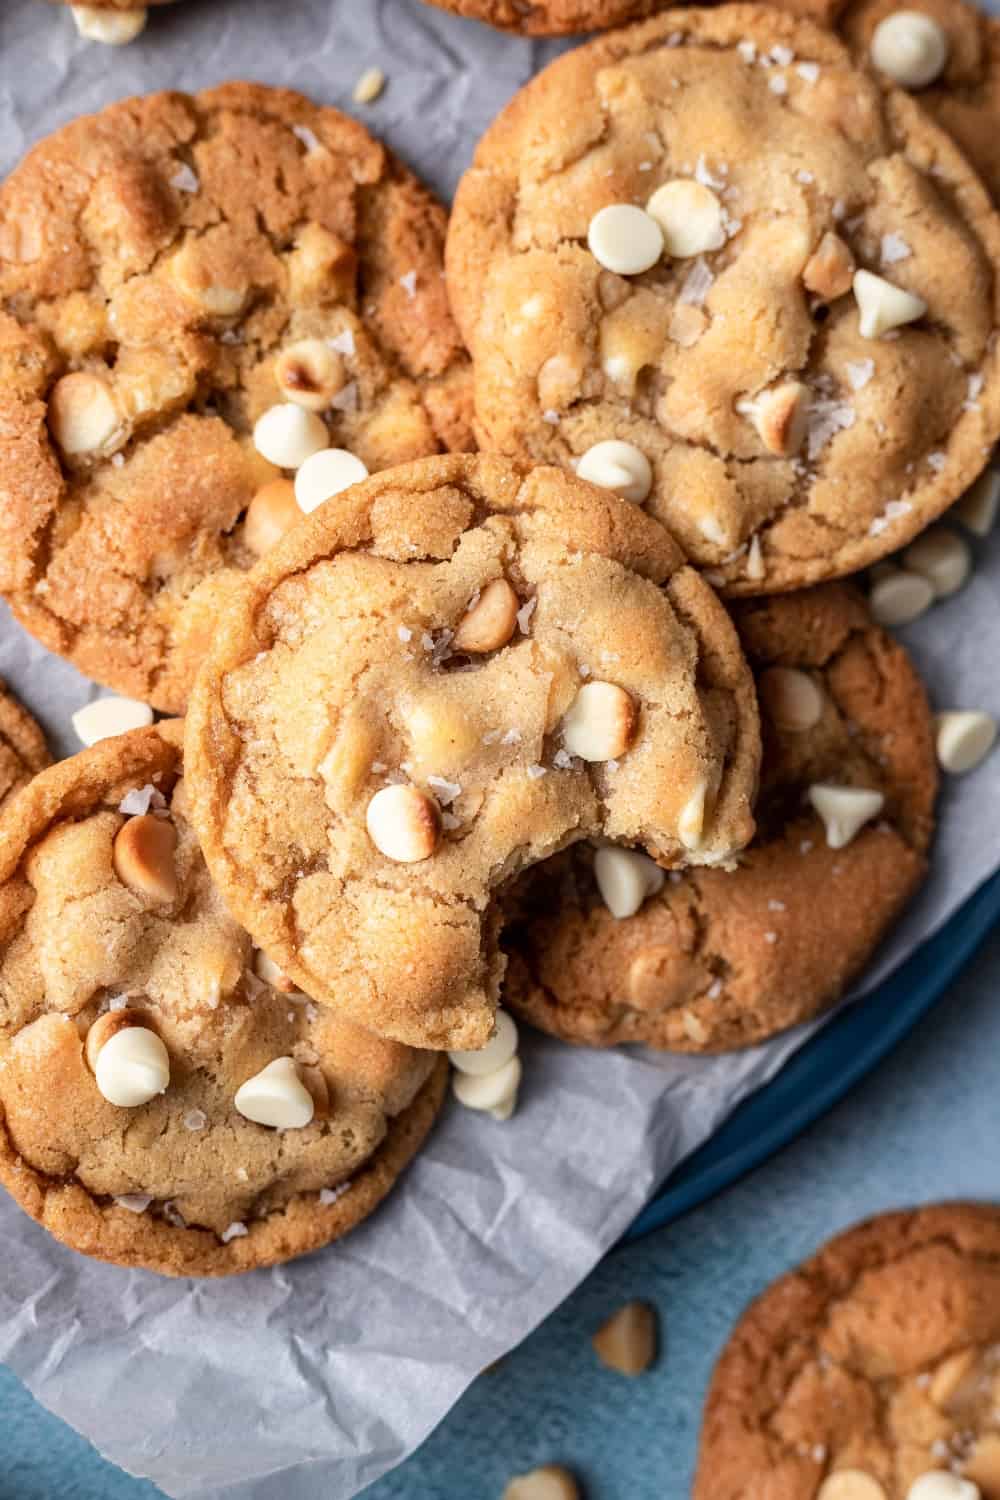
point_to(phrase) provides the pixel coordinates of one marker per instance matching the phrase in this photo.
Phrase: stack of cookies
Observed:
(498, 570)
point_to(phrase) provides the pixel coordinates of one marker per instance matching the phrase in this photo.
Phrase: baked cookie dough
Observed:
(809, 368)
(451, 672)
(23, 750)
(872, 1365)
(170, 270)
(134, 1030)
(562, 17)
(715, 959)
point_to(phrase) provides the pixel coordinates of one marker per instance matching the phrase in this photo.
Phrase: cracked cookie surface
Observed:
(23, 750)
(163, 264)
(719, 959)
(786, 447)
(182, 1184)
(375, 748)
(877, 1360)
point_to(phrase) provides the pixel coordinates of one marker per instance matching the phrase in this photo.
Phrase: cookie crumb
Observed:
(369, 86)
(185, 180)
(627, 1341)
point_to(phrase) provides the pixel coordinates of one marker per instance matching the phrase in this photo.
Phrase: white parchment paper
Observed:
(312, 1379)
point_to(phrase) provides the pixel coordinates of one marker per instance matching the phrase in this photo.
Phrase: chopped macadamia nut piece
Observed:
(325, 474)
(109, 716)
(829, 271)
(309, 374)
(690, 217)
(627, 1341)
(84, 418)
(115, 28)
(781, 416)
(404, 823)
(552, 1482)
(499, 1050)
(600, 722)
(910, 47)
(844, 810)
(964, 738)
(287, 434)
(490, 622)
(942, 557)
(625, 879)
(143, 857)
(271, 512)
(625, 239)
(883, 306)
(619, 466)
(276, 1096)
(132, 1067)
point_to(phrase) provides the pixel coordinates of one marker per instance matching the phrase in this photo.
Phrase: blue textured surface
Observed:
(922, 1126)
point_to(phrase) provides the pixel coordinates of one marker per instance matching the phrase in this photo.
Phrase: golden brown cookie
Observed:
(563, 17)
(799, 205)
(170, 269)
(23, 750)
(133, 1013)
(873, 1364)
(715, 959)
(450, 672)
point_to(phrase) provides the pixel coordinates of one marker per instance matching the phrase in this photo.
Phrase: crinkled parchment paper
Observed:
(314, 1378)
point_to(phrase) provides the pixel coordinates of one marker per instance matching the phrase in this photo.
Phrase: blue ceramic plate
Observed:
(823, 1070)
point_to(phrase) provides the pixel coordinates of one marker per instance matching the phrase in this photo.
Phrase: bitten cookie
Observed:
(167, 1098)
(173, 270)
(23, 750)
(709, 263)
(714, 959)
(871, 1366)
(452, 671)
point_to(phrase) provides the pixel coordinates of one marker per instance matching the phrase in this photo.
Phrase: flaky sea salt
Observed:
(536, 772)
(704, 174)
(525, 613)
(697, 283)
(859, 372)
(409, 283)
(185, 180)
(826, 417)
(776, 905)
(118, 1002)
(140, 800)
(236, 1231)
(343, 342)
(782, 55)
(136, 1203)
(808, 71)
(445, 791)
(562, 760)
(551, 416)
(346, 398)
(195, 1119)
(777, 84)
(404, 633)
(512, 737)
(894, 249)
(331, 1195)
(747, 51)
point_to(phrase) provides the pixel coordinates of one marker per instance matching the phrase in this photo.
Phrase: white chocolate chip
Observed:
(83, 414)
(369, 86)
(619, 466)
(499, 1050)
(942, 557)
(403, 823)
(627, 1341)
(978, 507)
(489, 1091)
(600, 722)
(883, 306)
(132, 1067)
(287, 434)
(271, 512)
(844, 810)
(325, 474)
(899, 597)
(114, 28)
(276, 1096)
(691, 819)
(791, 698)
(551, 1482)
(939, 1485)
(624, 879)
(143, 857)
(781, 417)
(964, 737)
(109, 716)
(266, 969)
(625, 239)
(489, 623)
(690, 217)
(910, 48)
(850, 1484)
(309, 374)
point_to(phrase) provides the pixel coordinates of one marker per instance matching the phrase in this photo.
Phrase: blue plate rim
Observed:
(825, 1068)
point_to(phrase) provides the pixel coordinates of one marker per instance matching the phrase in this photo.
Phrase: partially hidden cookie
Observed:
(141, 1049)
(709, 260)
(872, 1365)
(171, 269)
(23, 750)
(713, 959)
(450, 672)
(563, 17)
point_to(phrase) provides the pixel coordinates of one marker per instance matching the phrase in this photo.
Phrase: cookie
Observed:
(713, 959)
(23, 750)
(808, 375)
(136, 1025)
(873, 1364)
(562, 17)
(451, 672)
(964, 97)
(172, 269)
